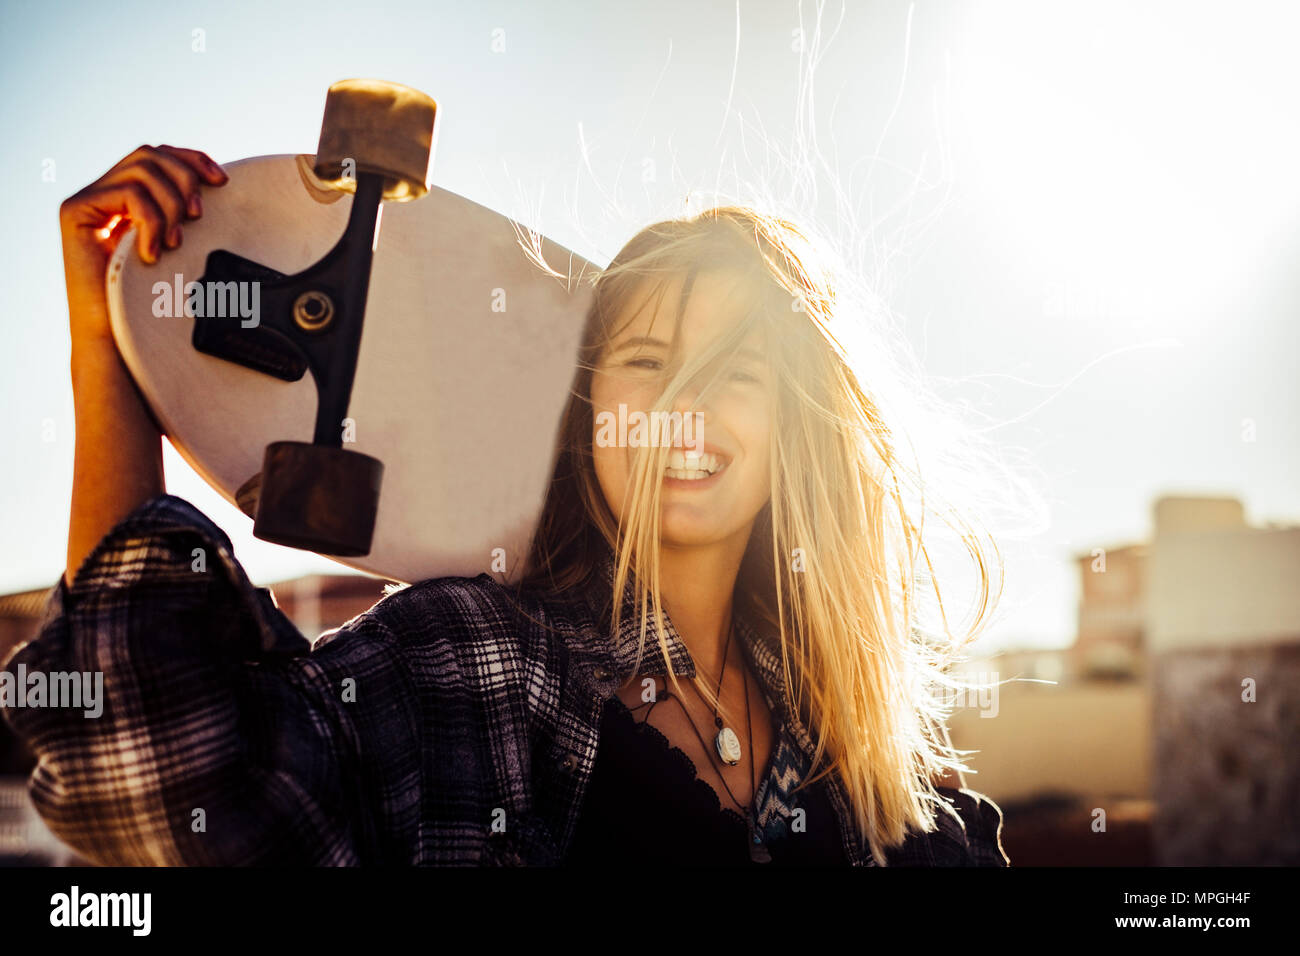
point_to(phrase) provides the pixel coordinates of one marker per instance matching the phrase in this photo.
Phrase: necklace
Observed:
(726, 742)
(749, 727)
(666, 693)
(757, 851)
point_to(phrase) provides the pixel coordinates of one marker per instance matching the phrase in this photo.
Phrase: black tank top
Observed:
(645, 804)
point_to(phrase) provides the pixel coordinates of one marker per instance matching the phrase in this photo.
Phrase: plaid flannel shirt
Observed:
(440, 727)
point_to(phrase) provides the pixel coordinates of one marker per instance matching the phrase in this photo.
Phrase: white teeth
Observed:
(691, 466)
(692, 461)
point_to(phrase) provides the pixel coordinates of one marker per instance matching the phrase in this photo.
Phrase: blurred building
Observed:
(1223, 634)
(1112, 614)
(1148, 730)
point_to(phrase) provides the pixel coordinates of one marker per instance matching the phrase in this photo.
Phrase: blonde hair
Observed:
(839, 558)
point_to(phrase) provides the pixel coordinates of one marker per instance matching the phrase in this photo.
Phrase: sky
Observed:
(1083, 216)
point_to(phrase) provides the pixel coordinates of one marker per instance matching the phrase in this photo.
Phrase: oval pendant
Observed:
(728, 745)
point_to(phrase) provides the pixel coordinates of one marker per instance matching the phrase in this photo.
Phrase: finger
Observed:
(133, 201)
(204, 167)
(122, 227)
(167, 197)
(183, 175)
(203, 164)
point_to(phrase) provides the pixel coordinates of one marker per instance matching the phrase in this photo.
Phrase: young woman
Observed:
(759, 691)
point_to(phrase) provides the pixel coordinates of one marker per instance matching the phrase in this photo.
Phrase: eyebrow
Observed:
(745, 352)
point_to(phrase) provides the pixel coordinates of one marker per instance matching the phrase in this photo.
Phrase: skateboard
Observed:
(369, 366)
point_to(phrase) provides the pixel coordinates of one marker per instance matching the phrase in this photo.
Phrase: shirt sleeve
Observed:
(983, 819)
(974, 840)
(221, 738)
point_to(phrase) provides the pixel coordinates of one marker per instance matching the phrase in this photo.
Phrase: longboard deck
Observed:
(466, 360)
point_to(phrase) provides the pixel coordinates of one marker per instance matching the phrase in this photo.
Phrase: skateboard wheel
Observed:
(371, 126)
(318, 498)
(246, 496)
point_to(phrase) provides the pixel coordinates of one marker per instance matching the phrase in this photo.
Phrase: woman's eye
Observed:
(654, 364)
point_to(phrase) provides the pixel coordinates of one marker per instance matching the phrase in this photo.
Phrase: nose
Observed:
(688, 399)
(688, 403)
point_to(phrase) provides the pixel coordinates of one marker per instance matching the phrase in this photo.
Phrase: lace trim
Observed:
(686, 766)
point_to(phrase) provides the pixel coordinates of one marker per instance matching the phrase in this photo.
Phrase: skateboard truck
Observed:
(376, 141)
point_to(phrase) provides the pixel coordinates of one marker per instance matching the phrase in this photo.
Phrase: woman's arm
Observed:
(117, 462)
(204, 732)
(217, 739)
(118, 448)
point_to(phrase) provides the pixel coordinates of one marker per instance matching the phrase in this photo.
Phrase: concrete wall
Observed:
(1223, 625)
(1227, 783)
(1229, 588)
(1085, 738)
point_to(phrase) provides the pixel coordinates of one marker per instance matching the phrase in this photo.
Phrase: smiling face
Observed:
(734, 414)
